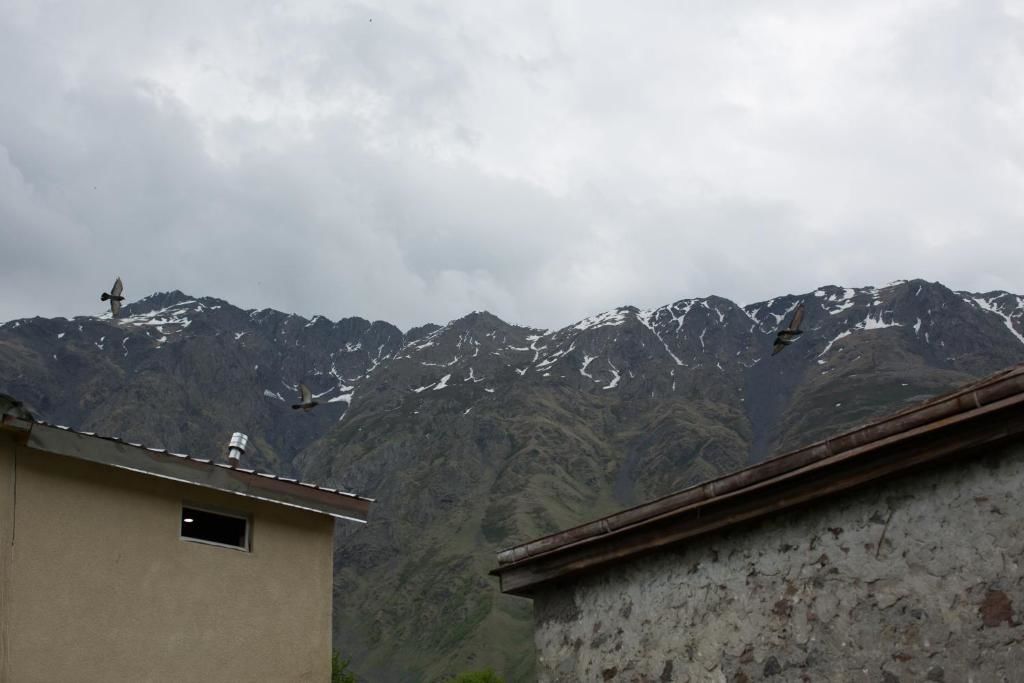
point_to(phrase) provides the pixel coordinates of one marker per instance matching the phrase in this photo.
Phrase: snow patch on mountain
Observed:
(554, 357)
(837, 302)
(533, 339)
(988, 305)
(587, 360)
(648, 320)
(378, 359)
(175, 315)
(616, 377)
(877, 323)
(323, 393)
(345, 397)
(678, 311)
(869, 323)
(606, 319)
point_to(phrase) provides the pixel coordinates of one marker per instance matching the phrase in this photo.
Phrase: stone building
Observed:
(122, 563)
(889, 553)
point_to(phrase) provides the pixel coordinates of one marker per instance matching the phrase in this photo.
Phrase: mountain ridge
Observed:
(478, 434)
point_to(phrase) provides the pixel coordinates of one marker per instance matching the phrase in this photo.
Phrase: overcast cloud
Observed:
(542, 160)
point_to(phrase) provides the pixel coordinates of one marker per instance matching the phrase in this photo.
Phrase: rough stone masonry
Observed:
(916, 579)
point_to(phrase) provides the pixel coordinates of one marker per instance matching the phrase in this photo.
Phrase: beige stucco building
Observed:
(120, 563)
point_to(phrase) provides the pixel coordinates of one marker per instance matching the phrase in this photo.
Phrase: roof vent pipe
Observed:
(236, 447)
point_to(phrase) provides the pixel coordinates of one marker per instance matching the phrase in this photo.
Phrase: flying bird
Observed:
(114, 297)
(306, 397)
(788, 335)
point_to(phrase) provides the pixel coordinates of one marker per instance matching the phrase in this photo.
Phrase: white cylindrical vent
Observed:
(236, 447)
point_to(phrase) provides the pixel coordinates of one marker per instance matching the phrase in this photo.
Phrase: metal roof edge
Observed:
(114, 452)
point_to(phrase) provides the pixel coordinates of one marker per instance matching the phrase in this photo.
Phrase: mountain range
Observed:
(480, 434)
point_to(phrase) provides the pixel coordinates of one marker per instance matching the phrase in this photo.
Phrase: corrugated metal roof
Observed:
(982, 412)
(204, 472)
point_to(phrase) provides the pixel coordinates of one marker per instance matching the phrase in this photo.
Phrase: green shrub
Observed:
(485, 676)
(339, 670)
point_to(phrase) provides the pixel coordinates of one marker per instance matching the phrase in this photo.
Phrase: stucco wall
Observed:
(918, 579)
(6, 531)
(101, 587)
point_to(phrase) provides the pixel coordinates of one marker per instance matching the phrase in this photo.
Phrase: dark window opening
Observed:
(211, 527)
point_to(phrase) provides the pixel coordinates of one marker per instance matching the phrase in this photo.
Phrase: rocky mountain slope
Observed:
(480, 434)
(183, 373)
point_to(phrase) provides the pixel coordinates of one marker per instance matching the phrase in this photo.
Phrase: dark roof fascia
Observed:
(198, 472)
(981, 413)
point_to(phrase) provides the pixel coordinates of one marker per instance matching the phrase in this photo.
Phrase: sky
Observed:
(413, 161)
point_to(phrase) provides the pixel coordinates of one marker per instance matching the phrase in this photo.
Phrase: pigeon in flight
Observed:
(306, 397)
(114, 297)
(787, 336)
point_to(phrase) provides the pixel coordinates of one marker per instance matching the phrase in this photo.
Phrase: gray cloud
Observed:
(541, 161)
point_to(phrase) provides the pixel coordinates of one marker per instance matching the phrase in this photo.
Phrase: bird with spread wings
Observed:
(114, 297)
(788, 335)
(306, 401)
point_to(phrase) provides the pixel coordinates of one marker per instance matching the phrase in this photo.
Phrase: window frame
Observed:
(247, 518)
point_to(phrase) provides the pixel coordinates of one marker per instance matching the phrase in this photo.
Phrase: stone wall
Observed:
(916, 579)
